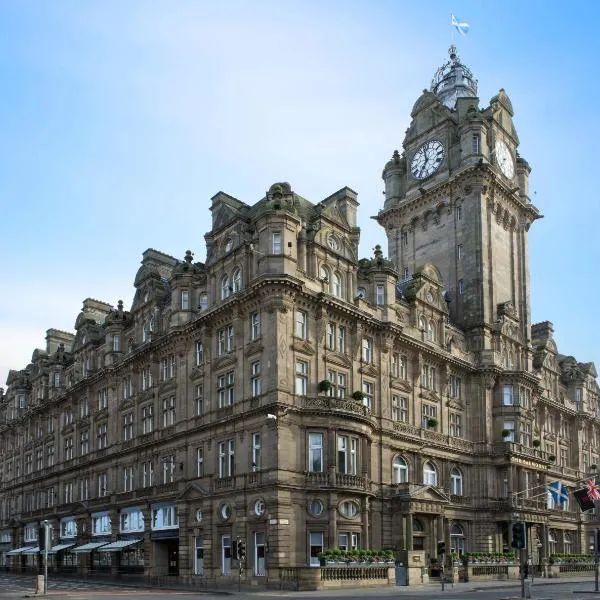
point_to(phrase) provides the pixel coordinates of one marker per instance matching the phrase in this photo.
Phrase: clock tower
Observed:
(457, 197)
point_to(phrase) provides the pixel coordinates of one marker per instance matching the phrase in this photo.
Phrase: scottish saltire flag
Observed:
(560, 492)
(593, 490)
(461, 26)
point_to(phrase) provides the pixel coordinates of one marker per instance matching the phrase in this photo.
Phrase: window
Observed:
(367, 350)
(563, 457)
(429, 411)
(347, 454)
(315, 452)
(276, 245)
(461, 287)
(68, 528)
(84, 443)
(428, 377)
(199, 353)
(226, 555)
(225, 287)
(475, 143)
(116, 345)
(102, 436)
(429, 474)
(226, 389)
(146, 378)
(200, 461)
(56, 380)
(199, 399)
(237, 280)
(68, 453)
(336, 285)
(165, 517)
(39, 459)
(101, 524)
(255, 326)
(431, 331)
(259, 554)
(147, 419)
(459, 252)
(525, 434)
(367, 389)
(256, 454)
(168, 367)
(185, 300)
(301, 377)
(330, 336)
(341, 339)
(348, 540)
(405, 274)
(128, 476)
(225, 340)
(380, 295)
(348, 509)
(147, 474)
(507, 395)
(301, 324)
(399, 470)
(145, 331)
(457, 539)
(168, 469)
(203, 304)
(456, 428)
(338, 384)
(128, 427)
(315, 545)
(102, 485)
(456, 482)
(255, 381)
(131, 519)
(84, 488)
(399, 408)
(454, 387)
(509, 429)
(50, 455)
(127, 388)
(84, 408)
(404, 238)
(102, 399)
(226, 458)
(168, 411)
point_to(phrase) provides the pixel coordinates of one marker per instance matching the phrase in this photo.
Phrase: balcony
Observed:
(337, 480)
(336, 405)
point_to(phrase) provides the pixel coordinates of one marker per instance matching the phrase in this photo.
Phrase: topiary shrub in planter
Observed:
(552, 458)
(536, 443)
(506, 433)
(358, 396)
(432, 423)
(325, 385)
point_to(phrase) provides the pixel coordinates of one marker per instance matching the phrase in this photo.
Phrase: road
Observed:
(14, 587)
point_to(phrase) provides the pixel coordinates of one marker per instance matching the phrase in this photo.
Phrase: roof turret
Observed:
(453, 80)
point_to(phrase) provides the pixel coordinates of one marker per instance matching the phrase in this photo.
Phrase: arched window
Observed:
(431, 331)
(324, 276)
(456, 482)
(457, 539)
(336, 285)
(225, 290)
(429, 473)
(237, 280)
(399, 470)
(422, 323)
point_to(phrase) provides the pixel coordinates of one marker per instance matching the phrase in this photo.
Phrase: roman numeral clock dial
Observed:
(427, 159)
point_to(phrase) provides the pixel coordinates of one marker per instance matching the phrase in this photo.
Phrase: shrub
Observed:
(325, 385)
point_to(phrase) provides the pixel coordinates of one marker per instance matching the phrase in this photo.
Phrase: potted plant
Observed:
(506, 433)
(552, 458)
(325, 385)
(432, 423)
(358, 395)
(536, 443)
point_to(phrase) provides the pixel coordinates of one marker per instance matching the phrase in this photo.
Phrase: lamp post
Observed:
(47, 541)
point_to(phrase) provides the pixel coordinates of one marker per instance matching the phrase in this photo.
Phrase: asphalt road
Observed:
(15, 587)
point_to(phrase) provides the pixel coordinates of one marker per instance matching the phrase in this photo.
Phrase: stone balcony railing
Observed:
(336, 405)
(339, 480)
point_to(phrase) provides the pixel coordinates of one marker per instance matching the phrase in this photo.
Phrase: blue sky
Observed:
(120, 120)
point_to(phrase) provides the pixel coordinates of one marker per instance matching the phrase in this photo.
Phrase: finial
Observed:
(452, 52)
(396, 156)
(120, 306)
(188, 256)
(377, 251)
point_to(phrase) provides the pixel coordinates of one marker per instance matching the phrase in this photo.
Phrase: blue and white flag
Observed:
(461, 26)
(560, 492)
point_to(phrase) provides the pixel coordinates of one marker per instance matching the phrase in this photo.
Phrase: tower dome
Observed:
(453, 80)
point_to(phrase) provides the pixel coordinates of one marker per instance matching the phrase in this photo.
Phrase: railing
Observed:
(576, 568)
(337, 480)
(353, 573)
(329, 403)
(487, 570)
(224, 483)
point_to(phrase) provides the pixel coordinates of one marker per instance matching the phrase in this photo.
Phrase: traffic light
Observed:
(42, 538)
(234, 549)
(441, 548)
(519, 535)
(242, 550)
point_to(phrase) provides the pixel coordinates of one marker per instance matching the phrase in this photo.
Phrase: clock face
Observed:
(504, 159)
(427, 159)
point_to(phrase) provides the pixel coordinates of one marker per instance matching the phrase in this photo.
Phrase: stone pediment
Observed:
(430, 395)
(341, 360)
(401, 384)
(421, 493)
(192, 490)
(225, 361)
(369, 370)
(197, 372)
(254, 348)
(303, 346)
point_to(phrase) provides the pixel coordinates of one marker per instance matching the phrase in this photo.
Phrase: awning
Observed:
(89, 547)
(60, 547)
(17, 551)
(118, 545)
(31, 550)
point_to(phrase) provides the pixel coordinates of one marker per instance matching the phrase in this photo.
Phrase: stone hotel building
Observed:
(288, 394)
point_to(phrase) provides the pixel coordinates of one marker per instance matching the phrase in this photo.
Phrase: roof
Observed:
(118, 545)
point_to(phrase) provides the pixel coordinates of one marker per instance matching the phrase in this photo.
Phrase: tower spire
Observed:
(453, 80)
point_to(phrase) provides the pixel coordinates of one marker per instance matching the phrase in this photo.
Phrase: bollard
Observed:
(39, 585)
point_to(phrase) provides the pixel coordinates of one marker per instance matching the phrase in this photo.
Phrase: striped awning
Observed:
(89, 547)
(118, 545)
(60, 547)
(31, 550)
(17, 550)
